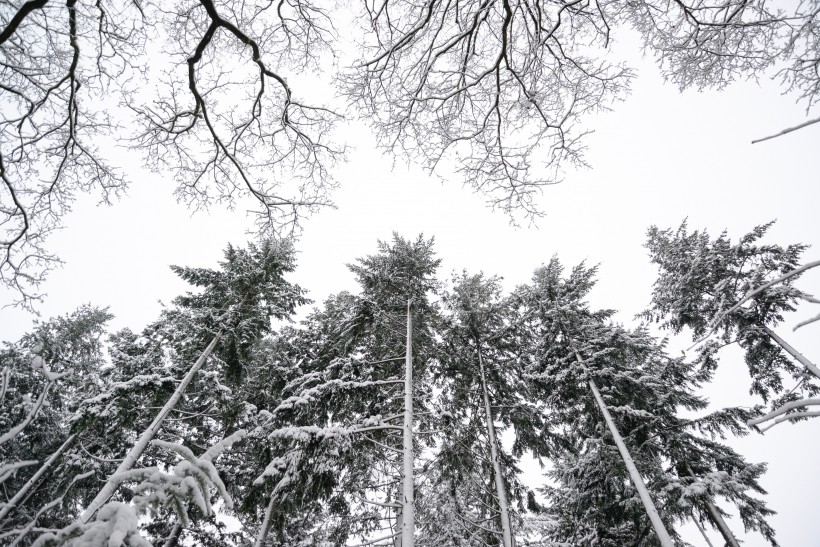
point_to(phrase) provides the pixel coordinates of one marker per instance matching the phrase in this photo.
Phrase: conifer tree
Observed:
(47, 374)
(342, 411)
(710, 287)
(587, 367)
(232, 311)
(484, 395)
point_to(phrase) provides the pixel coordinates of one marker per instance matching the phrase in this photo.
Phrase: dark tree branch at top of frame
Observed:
(209, 92)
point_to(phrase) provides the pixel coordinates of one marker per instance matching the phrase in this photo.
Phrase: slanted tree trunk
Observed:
(702, 532)
(12, 503)
(263, 530)
(501, 492)
(637, 480)
(793, 352)
(717, 518)
(407, 509)
(142, 443)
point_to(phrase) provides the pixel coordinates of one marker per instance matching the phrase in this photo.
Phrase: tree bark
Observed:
(501, 492)
(637, 480)
(721, 525)
(12, 503)
(407, 509)
(702, 532)
(142, 443)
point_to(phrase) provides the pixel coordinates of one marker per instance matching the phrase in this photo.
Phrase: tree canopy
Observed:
(209, 92)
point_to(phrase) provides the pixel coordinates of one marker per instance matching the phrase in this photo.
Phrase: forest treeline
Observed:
(400, 414)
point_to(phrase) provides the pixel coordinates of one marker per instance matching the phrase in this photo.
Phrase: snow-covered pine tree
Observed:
(46, 375)
(576, 350)
(703, 285)
(341, 417)
(483, 395)
(230, 313)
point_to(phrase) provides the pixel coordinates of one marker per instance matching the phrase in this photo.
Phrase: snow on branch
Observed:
(787, 130)
(786, 409)
(750, 295)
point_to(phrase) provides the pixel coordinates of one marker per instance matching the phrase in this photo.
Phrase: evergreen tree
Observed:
(587, 367)
(47, 375)
(337, 427)
(483, 394)
(232, 310)
(703, 285)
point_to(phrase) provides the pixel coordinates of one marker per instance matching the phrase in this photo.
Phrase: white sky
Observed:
(657, 158)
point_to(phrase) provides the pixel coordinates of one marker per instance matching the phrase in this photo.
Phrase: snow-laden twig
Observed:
(787, 130)
(791, 405)
(9, 469)
(807, 322)
(714, 322)
(789, 417)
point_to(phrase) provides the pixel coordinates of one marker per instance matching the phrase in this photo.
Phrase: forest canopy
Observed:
(209, 92)
(402, 412)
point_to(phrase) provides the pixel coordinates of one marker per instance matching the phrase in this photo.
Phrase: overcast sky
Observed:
(657, 158)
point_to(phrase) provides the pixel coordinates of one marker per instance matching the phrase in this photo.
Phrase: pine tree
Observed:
(587, 368)
(48, 373)
(232, 311)
(710, 286)
(337, 426)
(483, 395)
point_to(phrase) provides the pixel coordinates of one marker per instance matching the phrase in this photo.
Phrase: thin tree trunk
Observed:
(501, 493)
(717, 518)
(14, 431)
(12, 503)
(407, 509)
(263, 530)
(721, 525)
(136, 451)
(637, 480)
(702, 532)
(793, 352)
(397, 531)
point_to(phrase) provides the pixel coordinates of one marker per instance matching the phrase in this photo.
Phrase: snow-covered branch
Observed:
(751, 294)
(784, 409)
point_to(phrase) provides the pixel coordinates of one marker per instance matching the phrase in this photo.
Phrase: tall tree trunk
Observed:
(12, 503)
(501, 492)
(793, 352)
(398, 529)
(142, 443)
(407, 509)
(702, 532)
(721, 525)
(717, 518)
(637, 480)
(263, 530)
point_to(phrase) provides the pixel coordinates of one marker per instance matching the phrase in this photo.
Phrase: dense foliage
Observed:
(293, 436)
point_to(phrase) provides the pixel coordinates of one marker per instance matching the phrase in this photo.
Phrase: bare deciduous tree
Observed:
(500, 85)
(204, 81)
